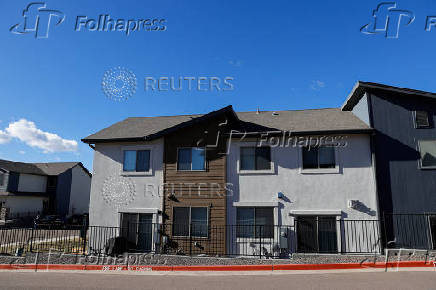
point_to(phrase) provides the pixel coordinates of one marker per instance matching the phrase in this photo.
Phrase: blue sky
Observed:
(281, 55)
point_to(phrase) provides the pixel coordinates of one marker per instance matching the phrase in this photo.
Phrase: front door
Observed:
(316, 234)
(137, 229)
(145, 232)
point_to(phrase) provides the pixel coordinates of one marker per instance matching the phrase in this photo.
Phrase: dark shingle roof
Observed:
(303, 121)
(52, 168)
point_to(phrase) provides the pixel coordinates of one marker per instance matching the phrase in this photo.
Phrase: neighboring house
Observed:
(206, 177)
(61, 188)
(405, 149)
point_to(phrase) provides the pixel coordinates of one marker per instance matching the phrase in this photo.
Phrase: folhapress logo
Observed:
(387, 20)
(37, 19)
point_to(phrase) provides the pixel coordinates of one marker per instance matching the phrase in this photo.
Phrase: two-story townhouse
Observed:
(405, 147)
(162, 171)
(61, 188)
(296, 173)
(204, 178)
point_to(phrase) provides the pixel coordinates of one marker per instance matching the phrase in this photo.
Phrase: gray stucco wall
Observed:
(113, 191)
(361, 109)
(321, 192)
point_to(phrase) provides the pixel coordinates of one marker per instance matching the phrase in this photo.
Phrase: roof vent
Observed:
(275, 113)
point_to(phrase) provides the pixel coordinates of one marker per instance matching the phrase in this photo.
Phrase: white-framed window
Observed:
(427, 150)
(254, 158)
(190, 221)
(137, 160)
(421, 119)
(191, 159)
(255, 222)
(318, 157)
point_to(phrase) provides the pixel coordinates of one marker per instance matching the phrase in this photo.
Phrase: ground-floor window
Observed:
(137, 228)
(255, 222)
(316, 234)
(190, 221)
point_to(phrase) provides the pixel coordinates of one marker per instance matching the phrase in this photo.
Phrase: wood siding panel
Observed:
(198, 188)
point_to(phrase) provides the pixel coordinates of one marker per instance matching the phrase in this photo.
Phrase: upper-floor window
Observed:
(427, 150)
(319, 157)
(136, 160)
(191, 159)
(255, 158)
(421, 119)
(2, 179)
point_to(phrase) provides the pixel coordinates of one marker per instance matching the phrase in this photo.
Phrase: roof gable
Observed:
(361, 87)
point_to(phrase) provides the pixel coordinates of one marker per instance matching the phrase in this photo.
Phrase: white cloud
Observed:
(4, 137)
(27, 132)
(317, 85)
(22, 152)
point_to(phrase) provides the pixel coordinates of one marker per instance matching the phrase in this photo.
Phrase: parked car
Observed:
(49, 220)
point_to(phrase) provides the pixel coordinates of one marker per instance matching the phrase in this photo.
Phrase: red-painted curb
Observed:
(279, 267)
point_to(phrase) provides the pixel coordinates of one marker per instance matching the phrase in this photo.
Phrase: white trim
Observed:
(256, 204)
(139, 210)
(136, 148)
(337, 212)
(420, 155)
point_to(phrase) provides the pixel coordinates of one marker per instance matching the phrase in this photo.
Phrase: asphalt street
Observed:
(210, 281)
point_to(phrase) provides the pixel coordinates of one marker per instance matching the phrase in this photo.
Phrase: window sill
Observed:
(134, 173)
(201, 170)
(188, 237)
(320, 170)
(248, 172)
(428, 168)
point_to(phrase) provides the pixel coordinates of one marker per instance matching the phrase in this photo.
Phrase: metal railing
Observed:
(304, 236)
(409, 230)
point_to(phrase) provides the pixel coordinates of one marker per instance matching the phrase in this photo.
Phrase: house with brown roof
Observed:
(28, 189)
(217, 182)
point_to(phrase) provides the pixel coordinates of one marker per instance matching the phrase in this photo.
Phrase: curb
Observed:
(281, 267)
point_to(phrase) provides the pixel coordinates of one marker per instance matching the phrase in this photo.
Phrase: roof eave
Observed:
(306, 133)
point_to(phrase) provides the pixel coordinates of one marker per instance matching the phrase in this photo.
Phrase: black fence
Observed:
(19, 240)
(412, 231)
(307, 235)
(314, 235)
